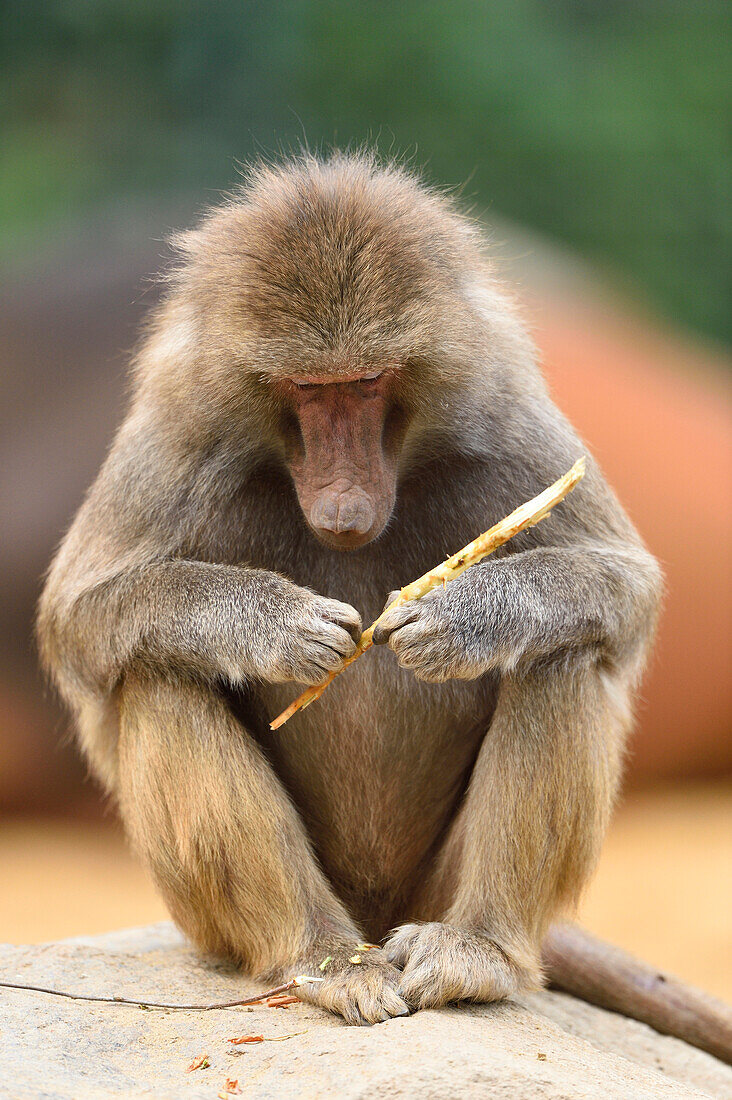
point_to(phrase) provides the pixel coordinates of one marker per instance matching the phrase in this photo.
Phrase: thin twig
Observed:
(301, 979)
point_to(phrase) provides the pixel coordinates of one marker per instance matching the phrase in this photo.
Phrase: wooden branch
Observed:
(601, 974)
(525, 516)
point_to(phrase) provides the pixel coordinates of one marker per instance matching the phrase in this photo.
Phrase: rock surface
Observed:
(547, 1047)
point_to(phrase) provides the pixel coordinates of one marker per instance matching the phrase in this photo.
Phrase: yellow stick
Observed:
(525, 516)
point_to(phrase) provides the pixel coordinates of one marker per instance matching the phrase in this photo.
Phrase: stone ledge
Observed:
(548, 1047)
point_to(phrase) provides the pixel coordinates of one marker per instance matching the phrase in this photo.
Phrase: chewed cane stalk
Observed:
(524, 516)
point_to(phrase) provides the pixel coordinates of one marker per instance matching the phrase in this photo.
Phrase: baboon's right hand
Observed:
(302, 636)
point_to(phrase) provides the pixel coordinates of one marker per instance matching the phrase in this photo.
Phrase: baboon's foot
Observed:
(441, 964)
(359, 985)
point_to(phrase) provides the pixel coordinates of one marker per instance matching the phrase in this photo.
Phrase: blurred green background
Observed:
(602, 123)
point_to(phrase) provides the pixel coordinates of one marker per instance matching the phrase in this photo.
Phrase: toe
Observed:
(423, 986)
(399, 945)
(393, 1003)
(377, 998)
(348, 1009)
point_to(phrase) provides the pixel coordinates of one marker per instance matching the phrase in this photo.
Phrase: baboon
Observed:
(334, 394)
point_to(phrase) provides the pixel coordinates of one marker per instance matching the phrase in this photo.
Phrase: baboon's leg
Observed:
(524, 841)
(229, 852)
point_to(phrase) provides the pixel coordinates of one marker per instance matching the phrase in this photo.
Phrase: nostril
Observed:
(324, 513)
(355, 513)
(340, 513)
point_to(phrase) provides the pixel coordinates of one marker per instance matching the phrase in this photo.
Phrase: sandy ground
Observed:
(663, 888)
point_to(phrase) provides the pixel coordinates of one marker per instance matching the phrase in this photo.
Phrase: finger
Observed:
(395, 620)
(324, 655)
(321, 652)
(337, 637)
(345, 616)
(390, 599)
(309, 672)
(408, 640)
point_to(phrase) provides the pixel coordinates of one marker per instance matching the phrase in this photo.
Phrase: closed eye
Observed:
(369, 382)
(364, 380)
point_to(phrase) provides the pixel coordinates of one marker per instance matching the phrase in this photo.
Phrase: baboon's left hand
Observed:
(442, 636)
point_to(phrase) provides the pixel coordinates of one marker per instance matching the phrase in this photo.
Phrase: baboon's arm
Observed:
(197, 618)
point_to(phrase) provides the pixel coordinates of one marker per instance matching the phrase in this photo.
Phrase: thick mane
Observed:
(343, 255)
(330, 266)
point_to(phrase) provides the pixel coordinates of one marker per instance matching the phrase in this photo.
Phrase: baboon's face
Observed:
(342, 448)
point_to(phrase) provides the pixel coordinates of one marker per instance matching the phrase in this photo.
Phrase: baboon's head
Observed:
(333, 293)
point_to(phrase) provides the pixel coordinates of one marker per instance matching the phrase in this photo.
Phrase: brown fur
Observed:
(463, 780)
